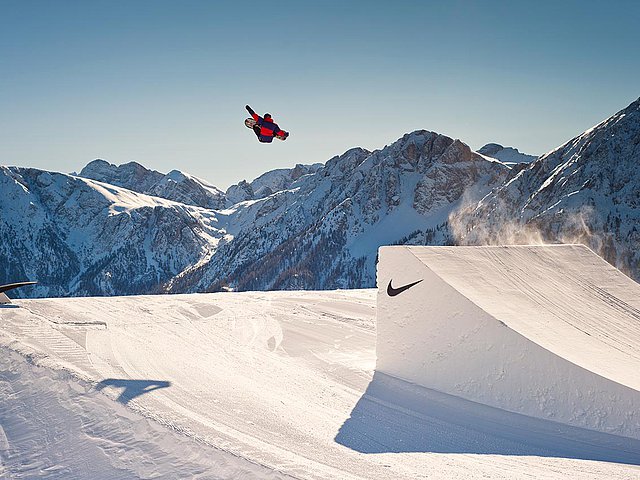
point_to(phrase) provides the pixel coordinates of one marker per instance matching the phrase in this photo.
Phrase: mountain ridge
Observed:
(584, 191)
(315, 226)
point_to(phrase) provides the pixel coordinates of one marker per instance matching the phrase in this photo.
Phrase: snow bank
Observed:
(548, 331)
(53, 425)
(253, 385)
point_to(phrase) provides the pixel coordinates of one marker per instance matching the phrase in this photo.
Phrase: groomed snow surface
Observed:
(283, 385)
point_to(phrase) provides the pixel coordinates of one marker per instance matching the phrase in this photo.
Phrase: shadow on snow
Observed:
(132, 388)
(394, 416)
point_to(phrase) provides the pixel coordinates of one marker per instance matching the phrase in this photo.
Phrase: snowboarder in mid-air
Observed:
(264, 127)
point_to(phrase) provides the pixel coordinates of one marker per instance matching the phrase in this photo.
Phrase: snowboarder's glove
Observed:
(249, 109)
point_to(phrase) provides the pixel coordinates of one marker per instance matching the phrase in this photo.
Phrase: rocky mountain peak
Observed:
(239, 192)
(347, 162)
(459, 152)
(420, 144)
(269, 183)
(132, 175)
(490, 149)
(585, 191)
(508, 155)
(175, 185)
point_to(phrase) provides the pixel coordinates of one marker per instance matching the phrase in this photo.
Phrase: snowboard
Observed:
(250, 123)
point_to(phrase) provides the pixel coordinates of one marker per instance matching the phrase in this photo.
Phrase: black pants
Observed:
(256, 130)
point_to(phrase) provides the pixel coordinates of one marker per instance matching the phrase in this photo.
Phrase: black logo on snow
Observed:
(392, 292)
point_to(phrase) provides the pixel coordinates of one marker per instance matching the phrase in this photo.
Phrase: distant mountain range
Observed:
(129, 230)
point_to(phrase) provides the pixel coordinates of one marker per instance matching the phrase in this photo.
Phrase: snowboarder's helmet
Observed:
(267, 115)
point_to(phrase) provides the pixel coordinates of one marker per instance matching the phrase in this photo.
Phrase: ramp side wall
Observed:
(435, 337)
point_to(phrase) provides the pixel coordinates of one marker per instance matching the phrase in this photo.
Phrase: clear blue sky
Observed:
(164, 83)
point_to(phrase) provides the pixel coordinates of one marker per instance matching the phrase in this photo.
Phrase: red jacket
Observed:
(268, 128)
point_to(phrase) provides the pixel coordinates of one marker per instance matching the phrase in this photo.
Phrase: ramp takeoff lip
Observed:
(11, 286)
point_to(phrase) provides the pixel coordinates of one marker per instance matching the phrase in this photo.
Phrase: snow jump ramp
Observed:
(551, 332)
(4, 299)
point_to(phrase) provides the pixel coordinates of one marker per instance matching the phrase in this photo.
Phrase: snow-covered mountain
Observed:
(585, 191)
(131, 176)
(176, 185)
(315, 226)
(324, 230)
(508, 155)
(82, 237)
(269, 183)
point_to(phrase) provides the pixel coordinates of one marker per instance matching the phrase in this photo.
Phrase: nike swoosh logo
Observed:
(392, 292)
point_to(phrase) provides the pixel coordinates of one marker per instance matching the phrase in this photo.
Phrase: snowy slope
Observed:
(79, 236)
(325, 229)
(54, 426)
(585, 191)
(282, 379)
(176, 185)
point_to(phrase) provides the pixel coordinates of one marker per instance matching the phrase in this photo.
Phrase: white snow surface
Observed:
(256, 385)
(547, 331)
(55, 426)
